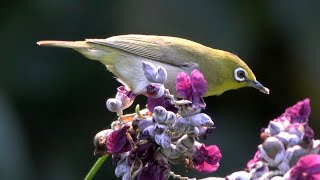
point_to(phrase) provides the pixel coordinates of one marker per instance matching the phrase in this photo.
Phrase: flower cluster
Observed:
(146, 143)
(288, 151)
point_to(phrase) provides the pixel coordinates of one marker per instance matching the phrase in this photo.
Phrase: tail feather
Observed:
(64, 44)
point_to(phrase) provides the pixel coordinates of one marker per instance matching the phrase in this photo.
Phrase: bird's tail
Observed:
(64, 44)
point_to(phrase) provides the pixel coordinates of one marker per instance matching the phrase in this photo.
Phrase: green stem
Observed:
(96, 167)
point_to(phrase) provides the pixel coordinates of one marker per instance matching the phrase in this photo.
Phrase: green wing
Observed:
(170, 50)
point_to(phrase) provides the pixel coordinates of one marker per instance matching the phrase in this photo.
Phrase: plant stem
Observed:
(96, 167)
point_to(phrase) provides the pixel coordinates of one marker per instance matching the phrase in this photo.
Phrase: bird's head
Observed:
(231, 73)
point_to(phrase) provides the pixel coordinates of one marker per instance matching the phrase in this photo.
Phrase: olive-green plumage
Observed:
(122, 55)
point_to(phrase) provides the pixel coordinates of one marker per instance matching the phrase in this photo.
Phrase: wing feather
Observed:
(170, 50)
(136, 46)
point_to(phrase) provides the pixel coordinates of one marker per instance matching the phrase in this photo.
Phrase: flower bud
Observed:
(272, 151)
(275, 127)
(297, 152)
(315, 147)
(122, 169)
(293, 140)
(171, 118)
(170, 153)
(150, 130)
(183, 126)
(240, 175)
(142, 124)
(180, 125)
(160, 114)
(201, 120)
(259, 170)
(160, 128)
(114, 105)
(163, 140)
(284, 137)
(297, 129)
(284, 166)
(150, 71)
(161, 75)
(184, 143)
(277, 178)
(153, 74)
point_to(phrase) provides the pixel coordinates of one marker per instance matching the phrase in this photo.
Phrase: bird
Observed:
(123, 55)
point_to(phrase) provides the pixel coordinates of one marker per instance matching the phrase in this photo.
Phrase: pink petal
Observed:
(299, 113)
(207, 168)
(199, 83)
(307, 168)
(183, 85)
(214, 155)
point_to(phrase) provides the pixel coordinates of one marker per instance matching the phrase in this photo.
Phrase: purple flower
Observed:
(118, 141)
(154, 170)
(206, 159)
(307, 168)
(298, 113)
(191, 88)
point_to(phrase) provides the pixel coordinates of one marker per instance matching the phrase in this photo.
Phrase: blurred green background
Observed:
(52, 101)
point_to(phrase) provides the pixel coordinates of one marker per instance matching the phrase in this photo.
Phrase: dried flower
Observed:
(118, 141)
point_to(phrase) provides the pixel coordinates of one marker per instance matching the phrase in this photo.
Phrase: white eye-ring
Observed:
(240, 74)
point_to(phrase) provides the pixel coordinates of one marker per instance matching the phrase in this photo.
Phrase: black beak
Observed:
(259, 86)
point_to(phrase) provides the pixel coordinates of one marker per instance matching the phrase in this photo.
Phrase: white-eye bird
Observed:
(123, 56)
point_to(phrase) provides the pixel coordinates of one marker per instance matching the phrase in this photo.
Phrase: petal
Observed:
(154, 102)
(183, 85)
(114, 105)
(150, 71)
(163, 140)
(201, 120)
(159, 114)
(161, 75)
(153, 170)
(146, 151)
(199, 83)
(207, 155)
(122, 168)
(214, 155)
(308, 167)
(118, 141)
(206, 167)
(299, 113)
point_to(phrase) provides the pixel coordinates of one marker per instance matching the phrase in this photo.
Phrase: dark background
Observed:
(52, 101)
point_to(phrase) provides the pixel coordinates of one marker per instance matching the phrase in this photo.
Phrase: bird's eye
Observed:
(240, 74)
